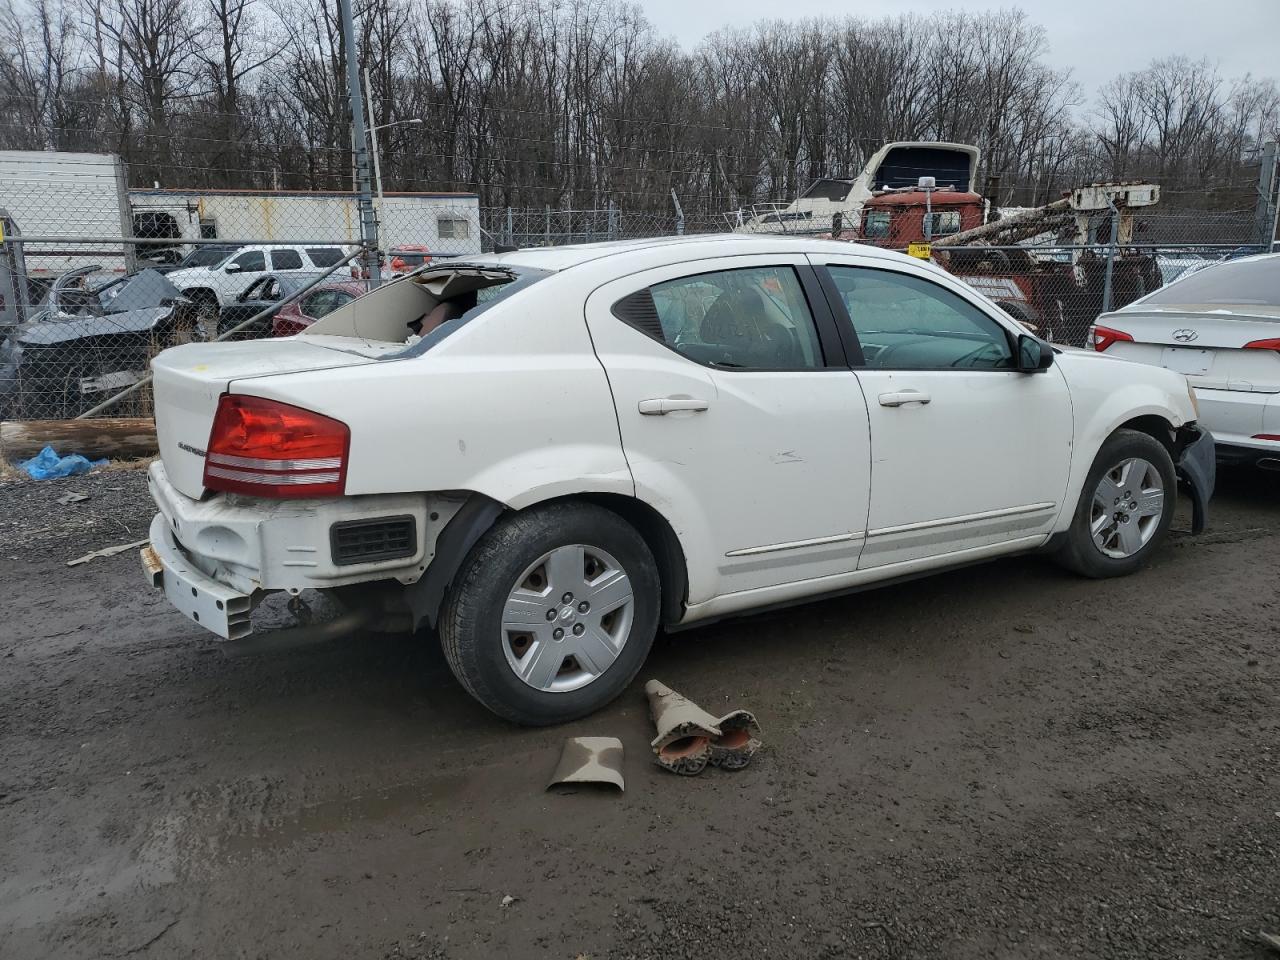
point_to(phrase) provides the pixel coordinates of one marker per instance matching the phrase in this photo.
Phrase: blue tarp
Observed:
(47, 464)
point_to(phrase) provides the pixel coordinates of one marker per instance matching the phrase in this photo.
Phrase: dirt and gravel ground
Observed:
(999, 762)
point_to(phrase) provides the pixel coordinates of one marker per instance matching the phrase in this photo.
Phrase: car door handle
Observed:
(661, 406)
(904, 396)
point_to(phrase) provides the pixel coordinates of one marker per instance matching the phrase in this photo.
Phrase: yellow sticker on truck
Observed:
(921, 250)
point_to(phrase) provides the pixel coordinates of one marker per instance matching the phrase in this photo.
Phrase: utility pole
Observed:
(368, 220)
(1267, 206)
(373, 143)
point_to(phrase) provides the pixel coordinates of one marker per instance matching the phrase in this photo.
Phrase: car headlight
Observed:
(1195, 403)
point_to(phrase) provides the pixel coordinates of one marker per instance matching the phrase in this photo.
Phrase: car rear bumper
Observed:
(197, 596)
(1240, 420)
(1197, 470)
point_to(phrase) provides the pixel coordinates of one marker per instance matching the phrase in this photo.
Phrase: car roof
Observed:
(681, 248)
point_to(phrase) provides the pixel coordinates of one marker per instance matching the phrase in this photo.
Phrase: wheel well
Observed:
(480, 513)
(662, 542)
(193, 293)
(1157, 427)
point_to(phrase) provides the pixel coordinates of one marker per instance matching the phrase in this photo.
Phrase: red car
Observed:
(323, 300)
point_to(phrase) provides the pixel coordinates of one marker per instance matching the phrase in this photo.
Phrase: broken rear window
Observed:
(424, 307)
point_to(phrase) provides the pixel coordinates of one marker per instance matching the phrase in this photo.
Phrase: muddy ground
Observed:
(1004, 761)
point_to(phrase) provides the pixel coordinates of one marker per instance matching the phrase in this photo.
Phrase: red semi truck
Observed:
(1058, 287)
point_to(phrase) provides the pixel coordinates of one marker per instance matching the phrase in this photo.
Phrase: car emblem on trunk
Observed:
(1185, 335)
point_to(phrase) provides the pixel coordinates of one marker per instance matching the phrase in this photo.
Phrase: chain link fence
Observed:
(97, 277)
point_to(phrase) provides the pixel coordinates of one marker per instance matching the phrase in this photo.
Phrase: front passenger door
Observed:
(967, 453)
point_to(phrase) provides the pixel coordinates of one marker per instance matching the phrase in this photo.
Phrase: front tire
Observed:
(1125, 508)
(552, 613)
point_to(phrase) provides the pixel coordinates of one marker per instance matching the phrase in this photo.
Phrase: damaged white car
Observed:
(546, 455)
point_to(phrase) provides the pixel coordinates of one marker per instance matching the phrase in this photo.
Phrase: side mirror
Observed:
(1034, 355)
(232, 268)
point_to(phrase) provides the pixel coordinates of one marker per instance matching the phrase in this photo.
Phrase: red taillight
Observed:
(1102, 337)
(1273, 344)
(270, 449)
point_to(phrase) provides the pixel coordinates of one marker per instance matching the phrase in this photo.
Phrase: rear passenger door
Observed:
(967, 452)
(739, 418)
(285, 260)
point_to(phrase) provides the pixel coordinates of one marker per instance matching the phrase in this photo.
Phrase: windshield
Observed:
(1238, 282)
(206, 256)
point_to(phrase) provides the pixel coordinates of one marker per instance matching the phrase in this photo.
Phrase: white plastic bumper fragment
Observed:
(590, 760)
(213, 605)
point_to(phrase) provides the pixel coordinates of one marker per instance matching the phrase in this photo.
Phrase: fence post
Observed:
(679, 213)
(613, 221)
(1111, 255)
(1265, 211)
(546, 241)
(511, 229)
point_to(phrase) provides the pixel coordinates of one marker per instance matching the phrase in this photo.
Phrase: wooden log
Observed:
(116, 438)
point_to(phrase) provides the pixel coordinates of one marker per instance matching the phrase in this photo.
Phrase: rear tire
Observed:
(1125, 508)
(519, 646)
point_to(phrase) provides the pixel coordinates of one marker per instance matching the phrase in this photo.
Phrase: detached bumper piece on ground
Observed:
(689, 738)
(590, 760)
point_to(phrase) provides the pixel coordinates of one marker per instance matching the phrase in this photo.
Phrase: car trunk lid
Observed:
(190, 379)
(1207, 344)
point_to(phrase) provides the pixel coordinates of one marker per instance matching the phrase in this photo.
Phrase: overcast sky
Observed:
(1095, 38)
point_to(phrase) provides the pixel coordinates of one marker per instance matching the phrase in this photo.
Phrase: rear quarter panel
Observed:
(513, 405)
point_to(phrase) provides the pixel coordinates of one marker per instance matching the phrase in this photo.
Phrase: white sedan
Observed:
(1219, 326)
(546, 455)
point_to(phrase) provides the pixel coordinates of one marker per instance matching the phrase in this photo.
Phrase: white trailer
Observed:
(445, 223)
(60, 202)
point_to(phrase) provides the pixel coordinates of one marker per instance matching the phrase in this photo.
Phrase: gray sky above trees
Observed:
(1095, 38)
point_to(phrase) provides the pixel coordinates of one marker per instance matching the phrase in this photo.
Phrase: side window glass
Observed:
(944, 222)
(340, 299)
(313, 305)
(754, 318)
(251, 262)
(286, 260)
(324, 256)
(907, 323)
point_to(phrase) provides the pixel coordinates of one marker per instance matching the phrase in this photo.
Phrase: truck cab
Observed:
(896, 218)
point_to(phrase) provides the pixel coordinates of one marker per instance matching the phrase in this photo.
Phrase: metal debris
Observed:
(107, 552)
(685, 730)
(689, 738)
(738, 741)
(72, 497)
(1268, 940)
(589, 760)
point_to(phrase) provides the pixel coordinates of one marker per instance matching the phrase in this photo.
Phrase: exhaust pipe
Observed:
(689, 738)
(685, 730)
(738, 741)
